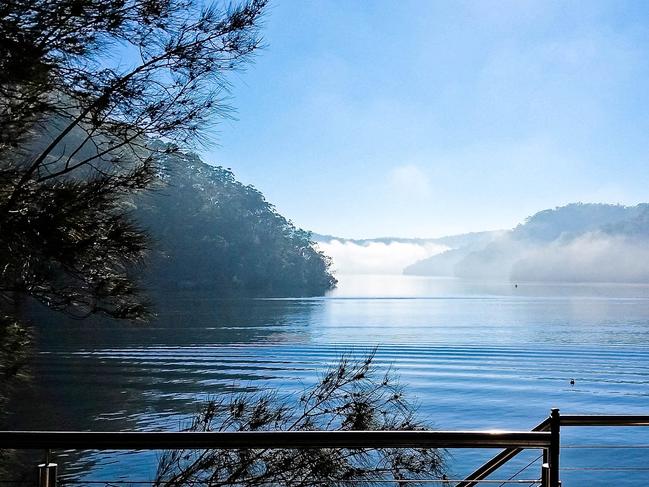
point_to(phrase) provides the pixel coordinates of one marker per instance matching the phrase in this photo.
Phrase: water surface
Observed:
(474, 355)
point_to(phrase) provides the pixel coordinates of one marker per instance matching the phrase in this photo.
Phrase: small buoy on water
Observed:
(572, 382)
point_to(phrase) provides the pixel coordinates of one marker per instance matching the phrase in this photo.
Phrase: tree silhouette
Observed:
(75, 126)
(351, 395)
(85, 85)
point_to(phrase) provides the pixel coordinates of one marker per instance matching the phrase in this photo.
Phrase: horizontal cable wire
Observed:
(621, 447)
(524, 468)
(605, 469)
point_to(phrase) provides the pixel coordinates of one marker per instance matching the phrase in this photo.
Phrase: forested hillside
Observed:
(211, 231)
(574, 243)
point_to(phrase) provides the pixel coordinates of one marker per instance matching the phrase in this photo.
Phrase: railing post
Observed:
(555, 448)
(47, 473)
(544, 468)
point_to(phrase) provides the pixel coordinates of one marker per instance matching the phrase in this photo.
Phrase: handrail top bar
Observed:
(130, 440)
(604, 420)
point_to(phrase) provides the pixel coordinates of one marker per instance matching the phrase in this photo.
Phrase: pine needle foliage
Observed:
(75, 122)
(352, 395)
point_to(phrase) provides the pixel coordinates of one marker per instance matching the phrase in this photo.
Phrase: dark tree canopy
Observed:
(351, 395)
(212, 232)
(84, 85)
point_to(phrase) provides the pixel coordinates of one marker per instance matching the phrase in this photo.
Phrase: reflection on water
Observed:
(476, 355)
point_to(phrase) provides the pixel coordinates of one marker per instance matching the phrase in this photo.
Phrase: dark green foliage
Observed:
(75, 125)
(15, 348)
(71, 249)
(352, 395)
(211, 231)
(14, 342)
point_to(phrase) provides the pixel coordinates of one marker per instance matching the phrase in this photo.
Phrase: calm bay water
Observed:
(474, 355)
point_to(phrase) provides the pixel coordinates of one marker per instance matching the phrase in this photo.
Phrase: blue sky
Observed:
(425, 118)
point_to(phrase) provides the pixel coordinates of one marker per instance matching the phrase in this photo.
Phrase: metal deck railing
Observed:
(73, 440)
(553, 424)
(544, 437)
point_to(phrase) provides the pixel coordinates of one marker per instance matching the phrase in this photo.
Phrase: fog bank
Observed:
(376, 257)
(593, 257)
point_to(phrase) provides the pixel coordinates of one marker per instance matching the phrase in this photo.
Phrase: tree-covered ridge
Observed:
(575, 219)
(573, 243)
(213, 231)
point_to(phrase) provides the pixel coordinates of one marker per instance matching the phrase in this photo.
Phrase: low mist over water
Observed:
(389, 257)
(570, 244)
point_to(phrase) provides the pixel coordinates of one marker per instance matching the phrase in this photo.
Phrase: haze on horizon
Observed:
(424, 119)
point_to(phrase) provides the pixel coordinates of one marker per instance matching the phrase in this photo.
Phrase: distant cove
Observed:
(572, 244)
